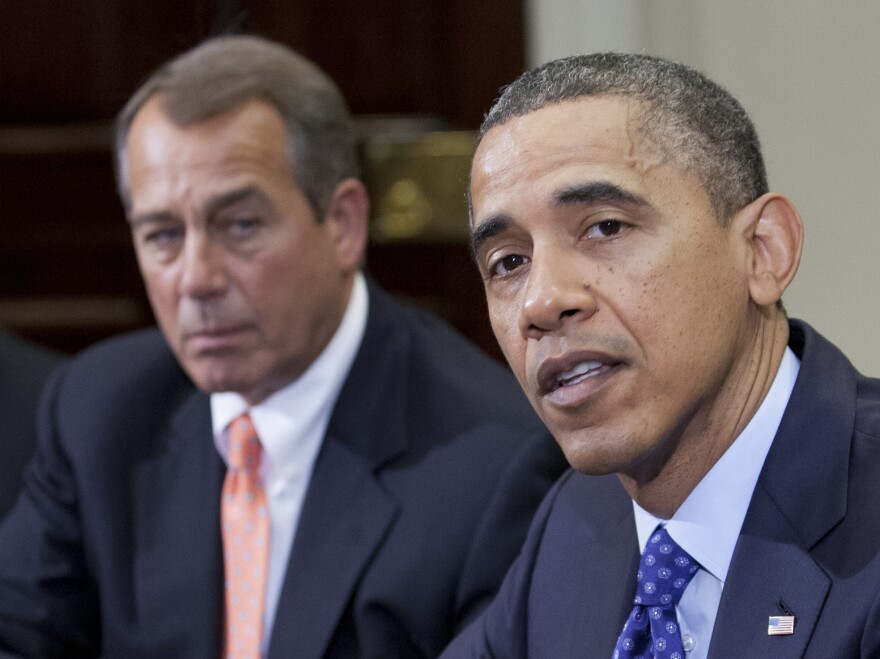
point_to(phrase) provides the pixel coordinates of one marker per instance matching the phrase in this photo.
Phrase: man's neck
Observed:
(708, 436)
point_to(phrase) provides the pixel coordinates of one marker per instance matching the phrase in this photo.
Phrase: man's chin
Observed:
(592, 452)
(212, 377)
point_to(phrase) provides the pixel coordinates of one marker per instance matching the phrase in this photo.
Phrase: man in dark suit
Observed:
(393, 470)
(24, 368)
(724, 498)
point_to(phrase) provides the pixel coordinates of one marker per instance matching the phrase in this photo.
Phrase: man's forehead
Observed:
(249, 133)
(589, 136)
(588, 115)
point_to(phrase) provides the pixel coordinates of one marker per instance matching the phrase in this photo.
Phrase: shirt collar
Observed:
(308, 397)
(708, 523)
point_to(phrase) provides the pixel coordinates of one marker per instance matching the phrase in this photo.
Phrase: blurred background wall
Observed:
(419, 75)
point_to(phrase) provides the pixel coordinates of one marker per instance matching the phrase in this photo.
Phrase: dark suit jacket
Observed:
(421, 496)
(811, 538)
(24, 368)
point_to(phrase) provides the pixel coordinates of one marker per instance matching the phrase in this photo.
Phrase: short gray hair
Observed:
(224, 72)
(695, 123)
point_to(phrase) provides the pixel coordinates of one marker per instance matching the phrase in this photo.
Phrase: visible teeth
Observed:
(580, 372)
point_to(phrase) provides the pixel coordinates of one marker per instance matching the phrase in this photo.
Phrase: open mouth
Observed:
(579, 373)
(573, 378)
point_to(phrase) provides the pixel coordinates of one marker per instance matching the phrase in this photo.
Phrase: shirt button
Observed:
(687, 642)
(293, 474)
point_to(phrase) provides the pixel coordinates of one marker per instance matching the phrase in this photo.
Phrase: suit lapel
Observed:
(584, 582)
(345, 517)
(622, 561)
(771, 574)
(772, 560)
(176, 519)
(347, 513)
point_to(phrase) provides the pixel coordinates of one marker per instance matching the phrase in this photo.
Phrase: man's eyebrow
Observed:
(596, 192)
(158, 217)
(221, 201)
(214, 205)
(579, 193)
(486, 230)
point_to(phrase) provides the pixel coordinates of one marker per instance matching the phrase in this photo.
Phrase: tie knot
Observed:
(244, 445)
(664, 571)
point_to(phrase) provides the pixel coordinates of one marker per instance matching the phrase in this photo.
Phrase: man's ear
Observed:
(774, 236)
(347, 216)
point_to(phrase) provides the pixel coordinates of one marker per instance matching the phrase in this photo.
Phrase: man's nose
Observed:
(558, 291)
(202, 268)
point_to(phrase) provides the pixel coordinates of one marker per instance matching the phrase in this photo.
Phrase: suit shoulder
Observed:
(132, 366)
(828, 384)
(868, 406)
(143, 349)
(446, 356)
(454, 371)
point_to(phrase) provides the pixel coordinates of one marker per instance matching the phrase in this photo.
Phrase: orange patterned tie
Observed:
(245, 527)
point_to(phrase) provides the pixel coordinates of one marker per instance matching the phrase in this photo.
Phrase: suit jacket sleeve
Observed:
(24, 369)
(48, 604)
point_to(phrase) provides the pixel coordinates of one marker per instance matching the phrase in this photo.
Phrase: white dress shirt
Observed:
(708, 523)
(291, 424)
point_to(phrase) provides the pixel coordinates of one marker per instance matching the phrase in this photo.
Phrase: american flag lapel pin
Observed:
(781, 625)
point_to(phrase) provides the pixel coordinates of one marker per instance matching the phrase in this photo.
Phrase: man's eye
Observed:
(507, 264)
(243, 227)
(161, 238)
(605, 229)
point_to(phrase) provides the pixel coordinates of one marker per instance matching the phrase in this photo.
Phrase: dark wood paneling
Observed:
(80, 61)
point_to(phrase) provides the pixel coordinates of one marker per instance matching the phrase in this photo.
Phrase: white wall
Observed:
(808, 72)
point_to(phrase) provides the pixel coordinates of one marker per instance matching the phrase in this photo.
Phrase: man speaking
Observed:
(726, 494)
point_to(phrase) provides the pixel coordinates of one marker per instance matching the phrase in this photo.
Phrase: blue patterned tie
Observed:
(651, 630)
